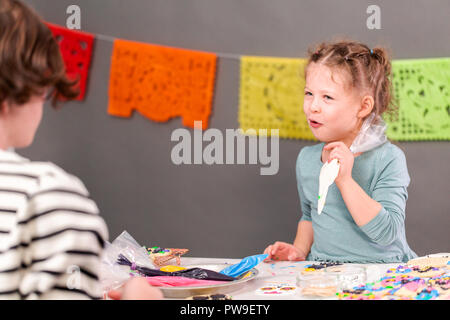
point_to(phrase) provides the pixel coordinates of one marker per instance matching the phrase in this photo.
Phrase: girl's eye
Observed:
(328, 97)
(307, 93)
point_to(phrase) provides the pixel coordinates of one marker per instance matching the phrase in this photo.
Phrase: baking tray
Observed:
(226, 287)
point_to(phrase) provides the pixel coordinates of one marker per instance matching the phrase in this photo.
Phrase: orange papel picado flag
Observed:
(161, 82)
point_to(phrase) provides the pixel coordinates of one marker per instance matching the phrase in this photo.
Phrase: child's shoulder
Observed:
(391, 162)
(307, 151)
(309, 156)
(391, 151)
(49, 176)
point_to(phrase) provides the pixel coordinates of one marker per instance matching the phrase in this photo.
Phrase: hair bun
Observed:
(383, 58)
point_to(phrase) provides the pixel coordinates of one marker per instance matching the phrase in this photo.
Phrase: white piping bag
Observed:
(370, 136)
(327, 175)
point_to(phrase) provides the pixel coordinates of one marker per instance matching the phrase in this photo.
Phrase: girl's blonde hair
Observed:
(368, 70)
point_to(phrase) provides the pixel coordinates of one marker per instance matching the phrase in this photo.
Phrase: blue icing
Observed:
(244, 265)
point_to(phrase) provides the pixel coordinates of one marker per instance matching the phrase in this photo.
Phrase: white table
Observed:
(277, 272)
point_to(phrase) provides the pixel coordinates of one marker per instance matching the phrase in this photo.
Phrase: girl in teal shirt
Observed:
(363, 220)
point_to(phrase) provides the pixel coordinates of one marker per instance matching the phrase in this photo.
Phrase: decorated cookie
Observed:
(276, 289)
(401, 269)
(417, 271)
(217, 296)
(369, 291)
(427, 272)
(161, 256)
(441, 284)
(377, 290)
(430, 261)
(392, 297)
(401, 284)
(319, 267)
(444, 296)
(428, 293)
(358, 294)
(319, 291)
(411, 288)
(158, 252)
(387, 285)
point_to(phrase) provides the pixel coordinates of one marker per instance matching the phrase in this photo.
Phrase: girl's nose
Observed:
(315, 107)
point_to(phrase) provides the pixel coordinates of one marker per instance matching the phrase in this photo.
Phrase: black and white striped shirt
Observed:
(51, 233)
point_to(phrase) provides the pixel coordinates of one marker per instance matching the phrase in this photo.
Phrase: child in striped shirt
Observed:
(51, 233)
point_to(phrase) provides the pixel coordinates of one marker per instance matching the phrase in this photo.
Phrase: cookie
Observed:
(428, 293)
(417, 271)
(437, 262)
(444, 296)
(441, 284)
(277, 289)
(217, 296)
(401, 284)
(319, 291)
(358, 294)
(411, 288)
(319, 267)
(385, 287)
(392, 297)
(401, 269)
(427, 272)
(161, 256)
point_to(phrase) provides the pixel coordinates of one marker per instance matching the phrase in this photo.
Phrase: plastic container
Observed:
(347, 276)
(318, 285)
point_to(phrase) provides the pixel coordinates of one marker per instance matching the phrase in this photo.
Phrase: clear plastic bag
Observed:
(113, 275)
(371, 135)
(132, 250)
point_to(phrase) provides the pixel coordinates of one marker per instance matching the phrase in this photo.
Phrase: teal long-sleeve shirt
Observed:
(383, 174)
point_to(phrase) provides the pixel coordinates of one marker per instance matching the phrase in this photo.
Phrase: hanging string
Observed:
(104, 38)
(219, 54)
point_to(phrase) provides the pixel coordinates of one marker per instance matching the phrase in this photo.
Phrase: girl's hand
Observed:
(284, 251)
(345, 157)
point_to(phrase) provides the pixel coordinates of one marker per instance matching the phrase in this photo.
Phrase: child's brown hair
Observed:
(30, 59)
(368, 69)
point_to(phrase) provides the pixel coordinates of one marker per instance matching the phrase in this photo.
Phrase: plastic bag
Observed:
(132, 250)
(244, 265)
(371, 135)
(113, 275)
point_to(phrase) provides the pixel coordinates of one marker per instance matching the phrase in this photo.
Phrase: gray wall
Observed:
(228, 210)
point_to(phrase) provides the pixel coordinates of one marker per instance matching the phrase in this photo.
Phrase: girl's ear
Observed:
(367, 104)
